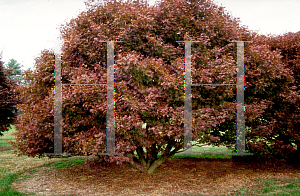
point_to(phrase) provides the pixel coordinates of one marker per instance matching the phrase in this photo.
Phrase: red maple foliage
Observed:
(149, 83)
(283, 115)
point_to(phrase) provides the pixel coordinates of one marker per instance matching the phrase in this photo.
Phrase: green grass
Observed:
(65, 164)
(290, 187)
(6, 178)
(5, 185)
(274, 188)
(8, 135)
(202, 152)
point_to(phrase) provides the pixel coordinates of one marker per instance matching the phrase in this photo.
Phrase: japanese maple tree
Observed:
(149, 82)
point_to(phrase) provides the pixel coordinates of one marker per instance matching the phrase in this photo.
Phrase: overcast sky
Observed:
(27, 25)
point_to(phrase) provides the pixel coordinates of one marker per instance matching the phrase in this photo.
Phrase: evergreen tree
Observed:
(14, 70)
(8, 114)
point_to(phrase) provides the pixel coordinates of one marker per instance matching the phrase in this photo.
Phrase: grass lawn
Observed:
(13, 168)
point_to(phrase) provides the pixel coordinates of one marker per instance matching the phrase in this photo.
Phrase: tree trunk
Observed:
(157, 163)
(142, 159)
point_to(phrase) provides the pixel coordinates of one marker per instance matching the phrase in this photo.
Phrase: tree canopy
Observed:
(149, 83)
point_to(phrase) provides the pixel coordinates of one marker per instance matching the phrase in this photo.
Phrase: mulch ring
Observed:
(174, 177)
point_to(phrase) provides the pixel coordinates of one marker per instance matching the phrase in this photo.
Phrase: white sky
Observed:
(27, 25)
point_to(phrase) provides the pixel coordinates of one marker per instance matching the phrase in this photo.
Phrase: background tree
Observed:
(8, 103)
(149, 82)
(16, 72)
